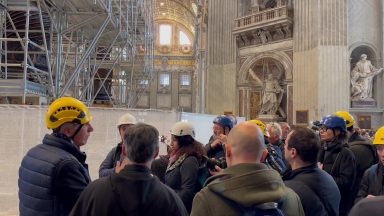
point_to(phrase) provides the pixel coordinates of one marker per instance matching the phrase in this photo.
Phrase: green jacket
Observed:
(247, 185)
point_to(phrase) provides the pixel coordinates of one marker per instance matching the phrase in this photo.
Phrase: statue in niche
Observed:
(272, 96)
(361, 79)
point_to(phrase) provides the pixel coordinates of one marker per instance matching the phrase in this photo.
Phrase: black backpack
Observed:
(264, 209)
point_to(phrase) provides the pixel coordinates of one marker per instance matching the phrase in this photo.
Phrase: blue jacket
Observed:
(51, 177)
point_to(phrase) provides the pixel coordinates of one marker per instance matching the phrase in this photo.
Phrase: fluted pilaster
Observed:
(321, 75)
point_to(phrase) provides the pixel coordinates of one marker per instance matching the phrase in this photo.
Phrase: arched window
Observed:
(183, 39)
(165, 31)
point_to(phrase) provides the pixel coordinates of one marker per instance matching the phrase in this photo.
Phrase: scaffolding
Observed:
(94, 50)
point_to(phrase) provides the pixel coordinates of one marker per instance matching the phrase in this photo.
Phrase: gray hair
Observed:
(275, 129)
(141, 142)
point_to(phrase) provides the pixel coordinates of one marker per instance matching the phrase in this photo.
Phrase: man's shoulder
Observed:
(99, 188)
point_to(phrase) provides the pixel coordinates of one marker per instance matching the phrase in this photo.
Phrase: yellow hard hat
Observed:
(379, 137)
(261, 125)
(66, 109)
(349, 120)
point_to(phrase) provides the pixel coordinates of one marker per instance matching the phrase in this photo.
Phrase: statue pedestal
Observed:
(270, 118)
(367, 103)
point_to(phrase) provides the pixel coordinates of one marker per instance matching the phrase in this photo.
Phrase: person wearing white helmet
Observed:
(184, 162)
(115, 155)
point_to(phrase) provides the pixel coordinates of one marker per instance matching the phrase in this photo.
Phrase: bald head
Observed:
(245, 144)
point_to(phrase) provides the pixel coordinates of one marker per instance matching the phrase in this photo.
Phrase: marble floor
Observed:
(22, 127)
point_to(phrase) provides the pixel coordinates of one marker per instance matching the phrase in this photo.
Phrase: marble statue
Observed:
(361, 79)
(272, 96)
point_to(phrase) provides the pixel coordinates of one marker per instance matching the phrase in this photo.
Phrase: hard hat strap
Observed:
(77, 131)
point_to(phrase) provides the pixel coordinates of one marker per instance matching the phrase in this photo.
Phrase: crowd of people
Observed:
(250, 168)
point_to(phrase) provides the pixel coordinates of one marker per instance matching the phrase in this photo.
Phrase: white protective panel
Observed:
(23, 127)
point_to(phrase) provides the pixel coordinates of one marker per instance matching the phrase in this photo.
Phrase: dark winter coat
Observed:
(109, 163)
(365, 155)
(181, 176)
(372, 182)
(134, 191)
(51, 177)
(317, 190)
(371, 206)
(217, 152)
(340, 163)
(159, 166)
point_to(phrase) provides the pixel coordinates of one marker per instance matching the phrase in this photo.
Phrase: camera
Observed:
(212, 162)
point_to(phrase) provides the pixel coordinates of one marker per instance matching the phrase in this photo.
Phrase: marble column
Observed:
(320, 68)
(221, 57)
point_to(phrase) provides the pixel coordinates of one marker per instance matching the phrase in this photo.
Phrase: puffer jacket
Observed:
(51, 177)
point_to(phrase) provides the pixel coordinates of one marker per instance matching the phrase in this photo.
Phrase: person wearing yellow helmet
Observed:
(272, 156)
(53, 174)
(108, 165)
(362, 148)
(372, 183)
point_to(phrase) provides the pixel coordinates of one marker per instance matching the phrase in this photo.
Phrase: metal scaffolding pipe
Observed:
(87, 53)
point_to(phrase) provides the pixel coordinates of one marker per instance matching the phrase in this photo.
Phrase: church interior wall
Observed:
(221, 88)
(321, 80)
(221, 57)
(23, 127)
(365, 36)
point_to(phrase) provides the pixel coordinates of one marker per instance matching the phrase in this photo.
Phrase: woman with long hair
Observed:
(185, 158)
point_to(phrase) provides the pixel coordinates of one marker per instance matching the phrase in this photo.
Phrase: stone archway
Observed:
(251, 78)
(281, 57)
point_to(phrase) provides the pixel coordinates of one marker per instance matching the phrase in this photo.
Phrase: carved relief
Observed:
(264, 36)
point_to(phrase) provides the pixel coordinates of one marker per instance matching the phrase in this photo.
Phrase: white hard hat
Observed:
(126, 119)
(183, 128)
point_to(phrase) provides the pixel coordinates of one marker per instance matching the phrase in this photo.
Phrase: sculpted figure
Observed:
(361, 79)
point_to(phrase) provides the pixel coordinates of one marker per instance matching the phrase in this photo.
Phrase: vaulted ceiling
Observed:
(182, 11)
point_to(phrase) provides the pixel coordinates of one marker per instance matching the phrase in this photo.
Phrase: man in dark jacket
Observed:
(53, 174)
(362, 148)
(108, 165)
(372, 183)
(317, 190)
(336, 159)
(221, 127)
(246, 183)
(134, 190)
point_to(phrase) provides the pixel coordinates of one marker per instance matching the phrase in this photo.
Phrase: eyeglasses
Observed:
(323, 128)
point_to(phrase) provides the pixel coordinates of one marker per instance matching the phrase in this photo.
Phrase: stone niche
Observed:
(364, 90)
(252, 85)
